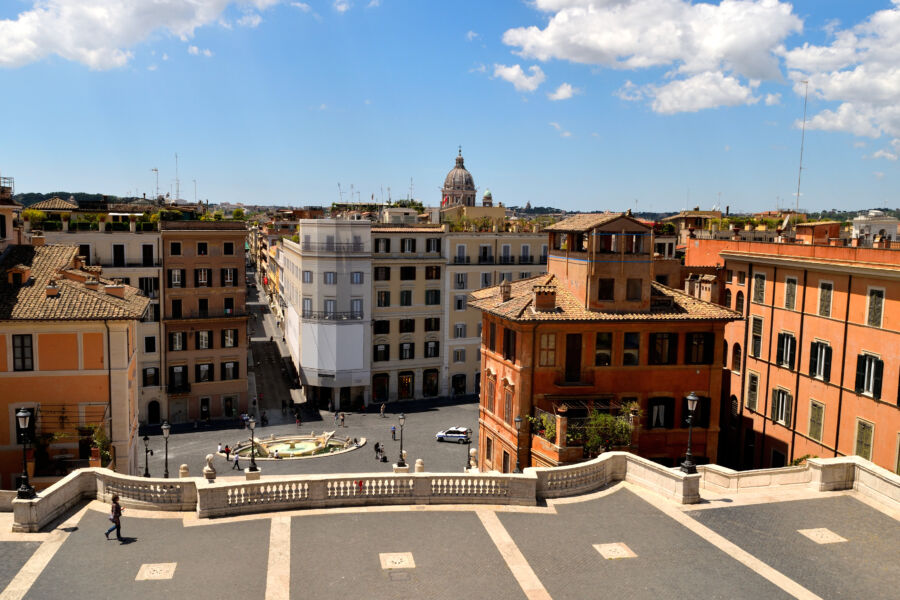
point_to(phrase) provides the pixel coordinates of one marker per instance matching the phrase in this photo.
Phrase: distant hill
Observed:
(82, 198)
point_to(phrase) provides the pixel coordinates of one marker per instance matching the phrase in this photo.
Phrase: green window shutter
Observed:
(876, 384)
(779, 353)
(860, 373)
(827, 350)
(813, 358)
(788, 409)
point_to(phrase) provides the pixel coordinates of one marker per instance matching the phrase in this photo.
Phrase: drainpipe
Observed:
(768, 361)
(797, 377)
(109, 389)
(837, 427)
(744, 358)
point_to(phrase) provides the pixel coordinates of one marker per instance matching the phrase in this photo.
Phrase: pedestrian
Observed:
(382, 410)
(335, 418)
(394, 433)
(342, 419)
(219, 451)
(227, 451)
(237, 464)
(299, 421)
(275, 454)
(377, 451)
(115, 516)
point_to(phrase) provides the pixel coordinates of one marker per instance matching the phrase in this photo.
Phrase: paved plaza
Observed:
(620, 542)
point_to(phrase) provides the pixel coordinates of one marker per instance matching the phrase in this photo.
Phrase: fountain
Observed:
(298, 446)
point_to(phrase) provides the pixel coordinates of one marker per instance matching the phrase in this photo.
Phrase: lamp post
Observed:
(688, 465)
(252, 425)
(165, 429)
(468, 449)
(401, 462)
(25, 492)
(518, 422)
(147, 453)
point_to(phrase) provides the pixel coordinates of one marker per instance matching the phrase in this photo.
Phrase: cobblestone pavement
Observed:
(622, 542)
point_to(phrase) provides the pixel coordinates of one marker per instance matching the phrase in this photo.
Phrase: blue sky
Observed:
(672, 103)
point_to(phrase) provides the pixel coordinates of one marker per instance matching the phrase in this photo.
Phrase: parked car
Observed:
(460, 435)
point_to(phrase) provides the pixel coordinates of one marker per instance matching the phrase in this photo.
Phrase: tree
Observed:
(238, 214)
(603, 431)
(35, 216)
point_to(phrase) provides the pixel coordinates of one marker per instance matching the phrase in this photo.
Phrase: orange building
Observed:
(68, 355)
(596, 333)
(813, 367)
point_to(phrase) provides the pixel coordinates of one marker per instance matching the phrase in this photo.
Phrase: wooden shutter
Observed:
(860, 373)
(196, 277)
(223, 371)
(212, 368)
(183, 277)
(197, 373)
(212, 344)
(780, 350)
(223, 338)
(792, 347)
(788, 409)
(709, 345)
(876, 385)
(673, 351)
(827, 373)
(222, 275)
(196, 340)
(169, 278)
(669, 410)
(772, 404)
(813, 358)
(703, 408)
(236, 370)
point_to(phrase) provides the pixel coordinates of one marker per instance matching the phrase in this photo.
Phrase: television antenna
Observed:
(802, 140)
(155, 170)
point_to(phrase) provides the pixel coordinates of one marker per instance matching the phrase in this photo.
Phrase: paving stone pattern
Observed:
(12, 556)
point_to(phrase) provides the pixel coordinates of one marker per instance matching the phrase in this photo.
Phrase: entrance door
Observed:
(153, 412)
(204, 408)
(573, 357)
(380, 387)
(147, 256)
(458, 383)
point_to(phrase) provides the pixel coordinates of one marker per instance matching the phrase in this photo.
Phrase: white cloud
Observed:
(516, 76)
(555, 125)
(100, 33)
(885, 154)
(341, 6)
(323, 106)
(480, 68)
(700, 42)
(859, 144)
(630, 92)
(303, 6)
(773, 99)
(563, 92)
(250, 20)
(152, 68)
(373, 4)
(165, 56)
(706, 90)
(562, 132)
(471, 35)
(878, 174)
(195, 51)
(727, 148)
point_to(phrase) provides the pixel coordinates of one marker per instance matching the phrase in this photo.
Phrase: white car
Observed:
(460, 435)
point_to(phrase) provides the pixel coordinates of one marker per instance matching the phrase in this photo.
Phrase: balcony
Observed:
(462, 260)
(222, 313)
(130, 264)
(337, 247)
(322, 315)
(543, 260)
(507, 260)
(178, 387)
(485, 260)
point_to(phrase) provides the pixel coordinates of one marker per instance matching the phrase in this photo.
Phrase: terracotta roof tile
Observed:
(671, 304)
(54, 204)
(74, 302)
(583, 222)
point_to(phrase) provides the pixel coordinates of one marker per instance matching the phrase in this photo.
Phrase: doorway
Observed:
(153, 412)
(573, 357)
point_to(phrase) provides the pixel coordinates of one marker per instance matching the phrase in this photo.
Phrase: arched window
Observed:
(739, 305)
(728, 298)
(736, 358)
(724, 354)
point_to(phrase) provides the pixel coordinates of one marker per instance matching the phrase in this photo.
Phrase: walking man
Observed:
(219, 451)
(394, 433)
(335, 418)
(382, 410)
(237, 464)
(342, 419)
(115, 516)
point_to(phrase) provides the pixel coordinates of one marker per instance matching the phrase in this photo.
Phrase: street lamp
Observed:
(688, 465)
(165, 429)
(147, 453)
(26, 492)
(518, 422)
(401, 462)
(252, 425)
(468, 449)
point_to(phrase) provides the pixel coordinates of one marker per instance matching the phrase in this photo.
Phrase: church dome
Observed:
(459, 178)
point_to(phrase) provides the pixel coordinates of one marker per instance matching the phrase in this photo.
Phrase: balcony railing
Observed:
(507, 260)
(221, 313)
(332, 247)
(543, 260)
(178, 387)
(485, 260)
(526, 260)
(130, 264)
(462, 260)
(323, 315)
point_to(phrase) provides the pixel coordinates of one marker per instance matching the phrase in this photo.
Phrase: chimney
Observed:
(92, 284)
(544, 298)
(116, 289)
(37, 240)
(78, 262)
(52, 289)
(505, 290)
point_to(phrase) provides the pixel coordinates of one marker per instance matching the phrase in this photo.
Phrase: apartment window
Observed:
(118, 255)
(174, 248)
(149, 286)
(606, 289)
(356, 277)
(489, 391)
(150, 344)
(202, 340)
(698, 348)
(736, 358)
(729, 275)
(603, 350)
(459, 302)
(460, 281)
(631, 355)
(330, 306)
(229, 276)
(230, 370)
(865, 433)
(752, 391)
(509, 344)
(700, 418)
(433, 272)
(307, 277)
(381, 327)
(23, 355)
(356, 307)
(432, 324)
(407, 273)
(787, 350)
(756, 332)
(781, 407)
(869, 371)
(202, 249)
(459, 330)
(307, 307)
(176, 277)
(382, 273)
(728, 298)
(381, 352)
(407, 351)
(661, 413)
(759, 288)
(506, 277)
(486, 280)
(229, 338)
(790, 293)
(820, 360)
(739, 302)
(432, 349)
(408, 245)
(825, 289)
(228, 248)
(176, 341)
(203, 373)
(547, 356)
(876, 307)
(201, 277)
(383, 298)
(633, 289)
(330, 278)
(407, 325)
(816, 419)
(433, 245)
(459, 355)
(663, 348)
(492, 337)
(405, 297)
(432, 297)
(151, 377)
(176, 308)
(508, 405)
(742, 277)
(382, 245)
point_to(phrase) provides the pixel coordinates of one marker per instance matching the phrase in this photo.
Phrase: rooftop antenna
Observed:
(802, 140)
(412, 187)
(340, 192)
(195, 191)
(177, 182)
(155, 170)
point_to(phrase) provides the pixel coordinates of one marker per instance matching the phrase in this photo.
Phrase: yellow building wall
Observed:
(57, 351)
